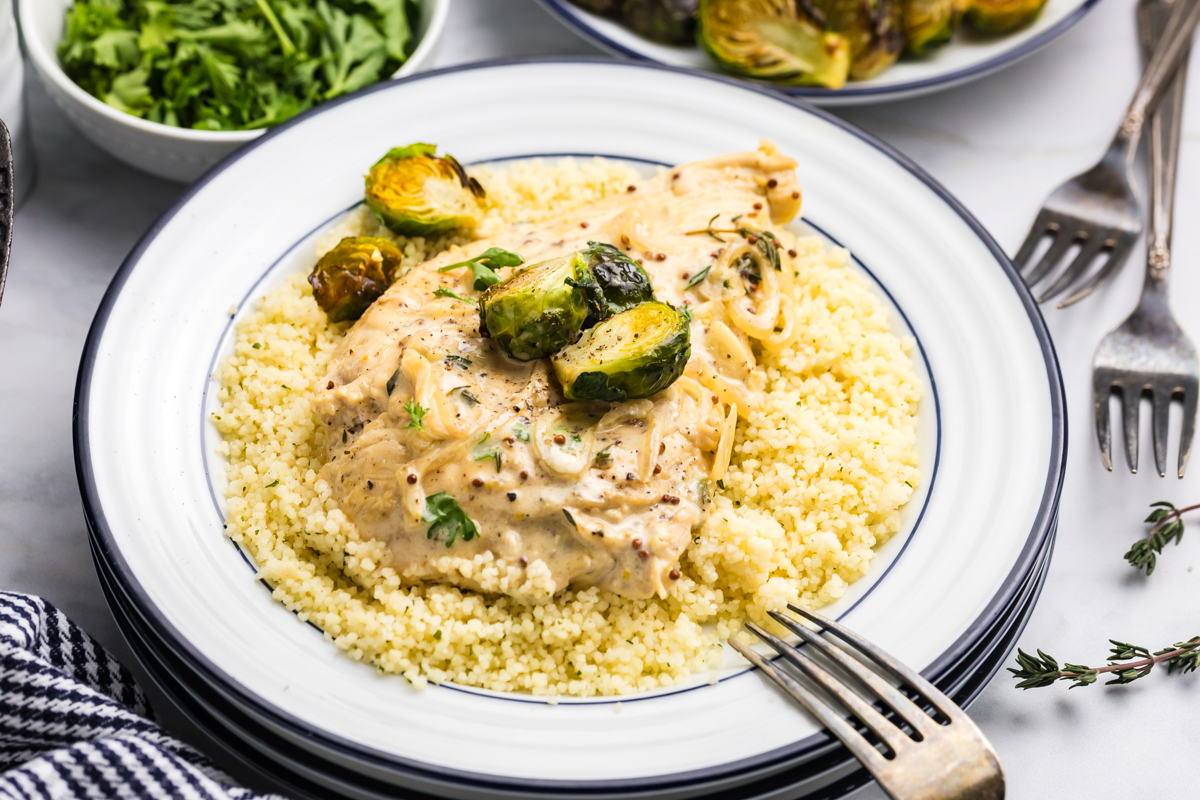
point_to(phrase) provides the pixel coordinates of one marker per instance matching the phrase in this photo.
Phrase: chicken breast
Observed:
(419, 407)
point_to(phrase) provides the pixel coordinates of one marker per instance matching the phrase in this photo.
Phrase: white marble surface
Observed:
(999, 144)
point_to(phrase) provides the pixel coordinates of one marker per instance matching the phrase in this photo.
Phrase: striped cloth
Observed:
(74, 724)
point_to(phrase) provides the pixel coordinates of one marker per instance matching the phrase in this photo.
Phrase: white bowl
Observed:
(177, 154)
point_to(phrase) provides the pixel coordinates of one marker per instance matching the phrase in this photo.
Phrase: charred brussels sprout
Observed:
(541, 308)
(666, 21)
(765, 39)
(623, 281)
(415, 192)
(874, 29)
(1002, 16)
(352, 275)
(633, 354)
(929, 24)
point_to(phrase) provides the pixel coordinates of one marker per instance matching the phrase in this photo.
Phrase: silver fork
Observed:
(923, 759)
(1148, 352)
(1099, 209)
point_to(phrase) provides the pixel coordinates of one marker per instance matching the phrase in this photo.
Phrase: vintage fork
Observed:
(1148, 352)
(7, 203)
(931, 760)
(1099, 209)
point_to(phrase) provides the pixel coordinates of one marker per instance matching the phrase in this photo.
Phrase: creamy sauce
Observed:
(602, 494)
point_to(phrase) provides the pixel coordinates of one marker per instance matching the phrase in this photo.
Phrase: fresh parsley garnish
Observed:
(484, 266)
(416, 415)
(448, 519)
(443, 291)
(226, 65)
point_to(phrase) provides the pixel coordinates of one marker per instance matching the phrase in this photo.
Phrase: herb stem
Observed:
(285, 41)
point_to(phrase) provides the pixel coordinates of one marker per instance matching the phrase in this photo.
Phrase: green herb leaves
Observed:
(448, 519)
(443, 291)
(1168, 525)
(484, 266)
(1126, 663)
(226, 65)
(416, 415)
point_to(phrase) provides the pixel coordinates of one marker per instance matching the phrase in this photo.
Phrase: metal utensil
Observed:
(1148, 353)
(7, 203)
(942, 757)
(1099, 209)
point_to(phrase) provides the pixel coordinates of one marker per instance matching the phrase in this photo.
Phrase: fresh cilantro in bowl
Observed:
(228, 65)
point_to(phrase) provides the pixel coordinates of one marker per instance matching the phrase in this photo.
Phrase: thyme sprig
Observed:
(1168, 525)
(1126, 663)
(765, 240)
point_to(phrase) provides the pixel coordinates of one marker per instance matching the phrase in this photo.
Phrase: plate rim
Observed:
(1042, 527)
(850, 93)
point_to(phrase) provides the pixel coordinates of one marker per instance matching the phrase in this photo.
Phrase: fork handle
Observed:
(1171, 49)
(1165, 132)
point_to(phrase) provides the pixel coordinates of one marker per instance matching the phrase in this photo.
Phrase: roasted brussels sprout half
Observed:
(541, 308)
(765, 39)
(623, 280)
(929, 24)
(415, 192)
(352, 275)
(874, 29)
(1002, 16)
(666, 21)
(636, 353)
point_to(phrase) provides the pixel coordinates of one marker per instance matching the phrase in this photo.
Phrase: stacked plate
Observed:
(948, 595)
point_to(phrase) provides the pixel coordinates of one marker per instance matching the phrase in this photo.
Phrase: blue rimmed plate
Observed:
(964, 59)
(996, 431)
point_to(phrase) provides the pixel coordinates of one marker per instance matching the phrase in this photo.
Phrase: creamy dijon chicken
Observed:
(417, 404)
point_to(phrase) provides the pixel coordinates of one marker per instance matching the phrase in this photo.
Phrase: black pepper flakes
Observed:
(512, 497)
(329, 385)
(629, 476)
(370, 484)
(657, 468)
(662, 448)
(523, 562)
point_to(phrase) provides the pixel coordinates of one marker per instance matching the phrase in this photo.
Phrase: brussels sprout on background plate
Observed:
(1002, 16)
(630, 355)
(766, 39)
(415, 192)
(874, 29)
(352, 275)
(622, 279)
(541, 308)
(665, 21)
(929, 24)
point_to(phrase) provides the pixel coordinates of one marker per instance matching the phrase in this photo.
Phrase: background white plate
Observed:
(966, 57)
(141, 446)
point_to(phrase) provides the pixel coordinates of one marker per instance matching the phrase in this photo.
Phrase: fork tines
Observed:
(1115, 242)
(935, 757)
(1130, 388)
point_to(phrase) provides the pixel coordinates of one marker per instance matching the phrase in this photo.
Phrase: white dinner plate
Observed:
(992, 426)
(966, 57)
